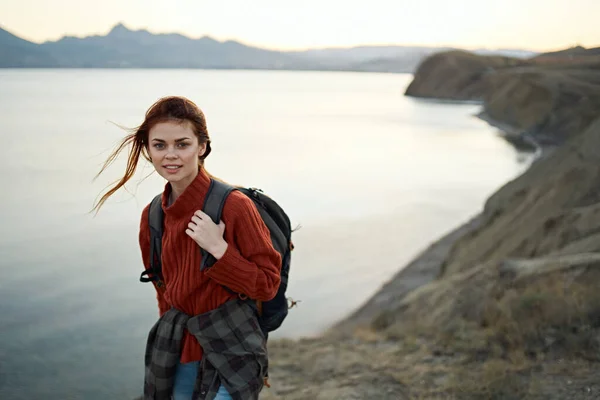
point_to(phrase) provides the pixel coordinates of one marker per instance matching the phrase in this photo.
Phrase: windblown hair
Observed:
(173, 109)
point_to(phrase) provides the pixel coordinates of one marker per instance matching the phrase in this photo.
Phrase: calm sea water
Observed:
(370, 175)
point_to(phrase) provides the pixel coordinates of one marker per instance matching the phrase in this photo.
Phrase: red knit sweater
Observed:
(249, 266)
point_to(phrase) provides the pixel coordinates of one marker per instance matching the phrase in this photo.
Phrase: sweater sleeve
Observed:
(250, 265)
(144, 239)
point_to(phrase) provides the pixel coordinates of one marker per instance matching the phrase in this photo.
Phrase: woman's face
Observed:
(174, 150)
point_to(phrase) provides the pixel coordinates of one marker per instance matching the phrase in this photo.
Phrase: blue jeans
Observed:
(185, 379)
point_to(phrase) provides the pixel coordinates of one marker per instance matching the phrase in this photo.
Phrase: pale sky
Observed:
(286, 24)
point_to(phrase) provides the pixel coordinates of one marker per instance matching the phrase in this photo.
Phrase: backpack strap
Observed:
(213, 207)
(155, 221)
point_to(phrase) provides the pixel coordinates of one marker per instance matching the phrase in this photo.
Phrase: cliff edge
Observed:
(507, 305)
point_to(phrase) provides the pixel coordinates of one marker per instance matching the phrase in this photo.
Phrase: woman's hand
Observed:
(207, 234)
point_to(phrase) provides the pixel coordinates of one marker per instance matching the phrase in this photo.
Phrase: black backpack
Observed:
(273, 312)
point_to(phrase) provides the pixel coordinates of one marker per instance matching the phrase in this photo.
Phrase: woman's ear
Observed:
(201, 149)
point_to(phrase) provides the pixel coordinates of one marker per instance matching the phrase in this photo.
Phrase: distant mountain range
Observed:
(125, 48)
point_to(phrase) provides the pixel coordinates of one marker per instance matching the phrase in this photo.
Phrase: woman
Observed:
(174, 138)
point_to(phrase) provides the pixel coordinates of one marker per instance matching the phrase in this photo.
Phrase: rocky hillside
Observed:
(456, 75)
(568, 56)
(532, 100)
(505, 307)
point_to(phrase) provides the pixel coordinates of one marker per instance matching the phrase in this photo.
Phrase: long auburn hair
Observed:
(173, 108)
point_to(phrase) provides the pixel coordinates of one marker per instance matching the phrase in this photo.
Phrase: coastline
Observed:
(521, 140)
(428, 264)
(457, 321)
(421, 270)
(441, 100)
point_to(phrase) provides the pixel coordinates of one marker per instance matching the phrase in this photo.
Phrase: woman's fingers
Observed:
(200, 214)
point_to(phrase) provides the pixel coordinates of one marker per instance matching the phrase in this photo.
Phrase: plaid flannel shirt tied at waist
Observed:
(234, 347)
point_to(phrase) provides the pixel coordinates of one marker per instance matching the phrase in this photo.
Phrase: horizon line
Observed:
(294, 49)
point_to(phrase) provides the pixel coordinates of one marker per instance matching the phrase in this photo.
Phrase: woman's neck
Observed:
(177, 188)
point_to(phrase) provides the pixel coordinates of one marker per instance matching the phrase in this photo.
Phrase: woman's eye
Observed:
(158, 146)
(182, 145)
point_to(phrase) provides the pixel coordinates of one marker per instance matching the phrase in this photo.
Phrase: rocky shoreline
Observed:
(504, 306)
(513, 135)
(425, 268)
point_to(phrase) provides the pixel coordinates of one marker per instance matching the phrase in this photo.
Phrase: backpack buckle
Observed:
(160, 285)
